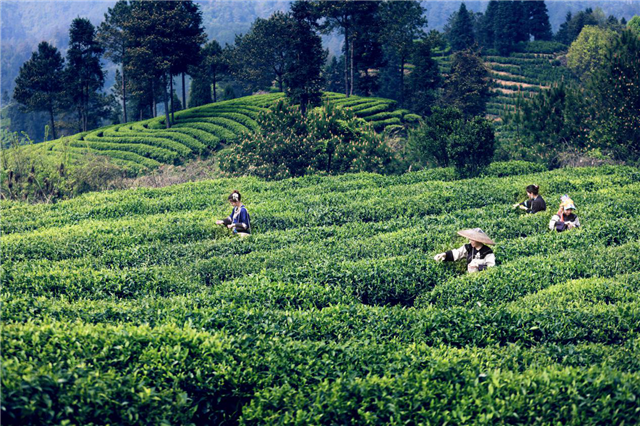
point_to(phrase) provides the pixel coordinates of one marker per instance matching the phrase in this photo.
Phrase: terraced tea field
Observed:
(133, 307)
(200, 131)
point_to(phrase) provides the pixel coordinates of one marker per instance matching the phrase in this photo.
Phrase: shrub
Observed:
(326, 140)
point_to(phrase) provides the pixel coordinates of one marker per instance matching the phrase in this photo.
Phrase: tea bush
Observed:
(133, 307)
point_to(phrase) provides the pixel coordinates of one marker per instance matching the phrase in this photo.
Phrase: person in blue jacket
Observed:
(238, 221)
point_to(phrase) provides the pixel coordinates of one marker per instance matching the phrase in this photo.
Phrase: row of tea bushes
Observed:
(135, 308)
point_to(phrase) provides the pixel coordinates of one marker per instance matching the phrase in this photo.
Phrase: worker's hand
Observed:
(515, 206)
(522, 207)
(570, 225)
(440, 257)
(219, 222)
(230, 226)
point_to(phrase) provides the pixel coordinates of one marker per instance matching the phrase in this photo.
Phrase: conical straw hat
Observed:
(476, 234)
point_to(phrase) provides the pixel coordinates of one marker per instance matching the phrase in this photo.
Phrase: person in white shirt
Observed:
(477, 253)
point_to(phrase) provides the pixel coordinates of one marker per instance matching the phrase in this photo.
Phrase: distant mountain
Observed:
(25, 23)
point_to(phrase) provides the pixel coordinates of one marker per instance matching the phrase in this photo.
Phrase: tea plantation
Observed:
(133, 307)
(199, 131)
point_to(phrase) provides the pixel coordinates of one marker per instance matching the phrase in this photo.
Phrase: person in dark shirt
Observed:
(535, 203)
(239, 220)
(478, 255)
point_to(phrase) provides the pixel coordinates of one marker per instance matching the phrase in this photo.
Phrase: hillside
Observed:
(133, 307)
(199, 131)
(26, 23)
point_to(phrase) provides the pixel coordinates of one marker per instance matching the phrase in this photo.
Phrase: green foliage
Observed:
(461, 35)
(289, 144)
(587, 52)
(447, 138)
(32, 174)
(614, 95)
(470, 145)
(548, 124)
(634, 24)
(467, 86)
(427, 143)
(424, 79)
(135, 307)
(40, 84)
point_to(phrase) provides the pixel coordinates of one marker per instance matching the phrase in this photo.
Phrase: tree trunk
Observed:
(171, 97)
(351, 85)
(215, 97)
(53, 123)
(124, 96)
(402, 81)
(154, 110)
(346, 61)
(79, 119)
(167, 118)
(184, 94)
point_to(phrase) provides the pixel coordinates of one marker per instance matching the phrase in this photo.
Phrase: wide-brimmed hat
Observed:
(476, 234)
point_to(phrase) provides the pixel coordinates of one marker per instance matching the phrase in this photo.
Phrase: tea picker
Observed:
(535, 203)
(477, 253)
(238, 221)
(566, 217)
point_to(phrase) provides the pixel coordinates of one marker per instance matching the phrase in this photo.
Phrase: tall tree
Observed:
(214, 65)
(112, 36)
(189, 36)
(351, 19)
(486, 36)
(467, 86)
(304, 58)
(615, 98)
(151, 32)
(424, 79)
(510, 26)
(403, 22)
(39, 85)
(461, 36)
(574, 24)
(84, 74)
(538, 20)
(366, 53)
(259, 56)
(333, 76)
(587, 53)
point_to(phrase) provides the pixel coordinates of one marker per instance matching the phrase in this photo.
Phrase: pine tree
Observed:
(213, 66)
(305, 58)
(424, 79)
(357, 21)
(333, 75)
(467, 86)
(538, 20)
(259, 56)
(402, 22)
(486, 37)
(153, 34)
(461, 36)
(200, 93)
(112, 37)
(84, 76)
(188, 37)
(39, 85)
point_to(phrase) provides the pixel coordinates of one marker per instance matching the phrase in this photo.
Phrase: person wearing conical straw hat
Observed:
(566, 217)
(477, 253)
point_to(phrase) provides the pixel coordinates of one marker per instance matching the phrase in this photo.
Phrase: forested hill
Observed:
(26, 23)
